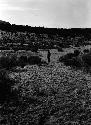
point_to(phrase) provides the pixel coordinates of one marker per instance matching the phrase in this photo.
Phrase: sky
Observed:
(47, 13)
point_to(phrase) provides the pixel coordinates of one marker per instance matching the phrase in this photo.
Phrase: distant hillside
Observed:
(4, 22)
(50, 31)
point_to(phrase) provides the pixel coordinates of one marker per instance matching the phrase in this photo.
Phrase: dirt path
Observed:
(54, 55)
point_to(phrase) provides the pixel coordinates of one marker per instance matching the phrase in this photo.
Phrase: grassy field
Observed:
(49, 95)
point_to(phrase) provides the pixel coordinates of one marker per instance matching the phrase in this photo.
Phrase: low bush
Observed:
(86, 50)
(60, 49)
(13, 61)
(66, 57)
(4, 62)
(8, 62)
(87, 59)
(74, 62)
(6, 84)
(34, 60)
(22, 61)
(71, 59)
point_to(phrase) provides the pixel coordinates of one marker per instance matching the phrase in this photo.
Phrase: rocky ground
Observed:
(49, 95)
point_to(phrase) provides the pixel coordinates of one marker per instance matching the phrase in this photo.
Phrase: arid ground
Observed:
(49, 95)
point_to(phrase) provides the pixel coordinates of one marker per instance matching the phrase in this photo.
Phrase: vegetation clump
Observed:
(71, 59)
(22, 61)
(86, 50)
(32, 60)
(8, 62)
(6, 84)
(60, 49)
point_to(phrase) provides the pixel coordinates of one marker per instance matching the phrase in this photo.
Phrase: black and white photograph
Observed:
(45, 62)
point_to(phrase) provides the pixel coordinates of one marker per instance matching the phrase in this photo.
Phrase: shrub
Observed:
(70, 59)
(13, 61)
(5, 87)
(34, 60)
(8, 62)
(75, 62)
(22, 61)
(4, 62)
(87, 59)
(66, 57)
(86, 50)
